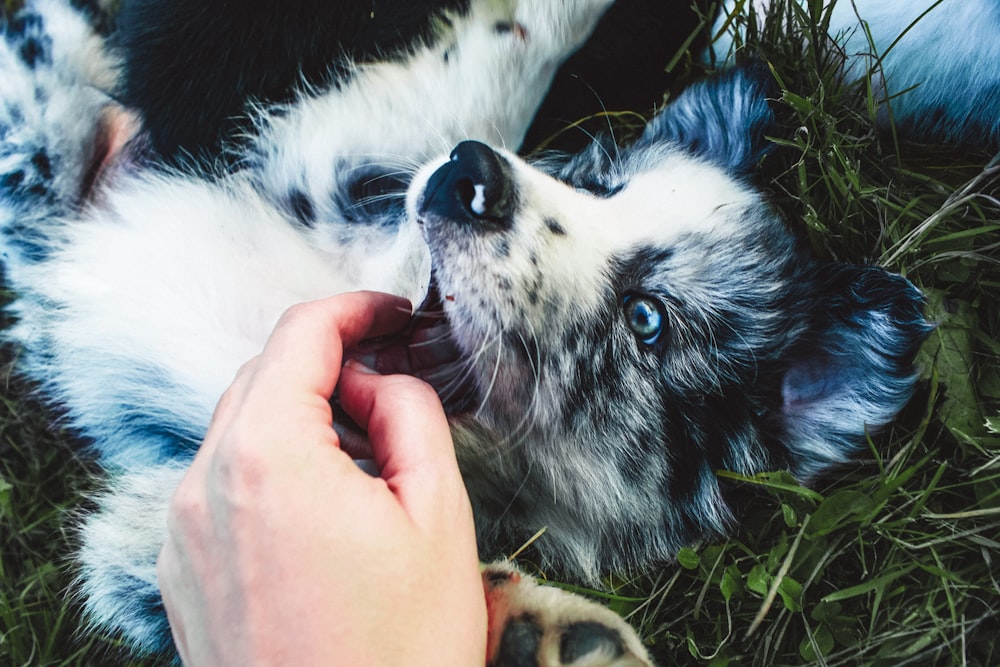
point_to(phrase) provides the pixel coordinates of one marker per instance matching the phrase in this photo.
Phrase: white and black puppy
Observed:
(609, 328)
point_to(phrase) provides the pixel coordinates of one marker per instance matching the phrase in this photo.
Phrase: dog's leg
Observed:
(340, 161)
(117, 557)
(543, 626)
(482, 78)
(53, 71)
(57, 128)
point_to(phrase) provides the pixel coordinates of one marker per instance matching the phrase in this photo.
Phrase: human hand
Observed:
(282, 552)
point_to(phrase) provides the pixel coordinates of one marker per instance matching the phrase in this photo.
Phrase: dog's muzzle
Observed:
(473, 188)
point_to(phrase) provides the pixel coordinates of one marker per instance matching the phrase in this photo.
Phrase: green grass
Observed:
(891, 562)
(42, 485)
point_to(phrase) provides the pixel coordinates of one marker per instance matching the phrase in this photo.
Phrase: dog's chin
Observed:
(436, 358)
(425, 349)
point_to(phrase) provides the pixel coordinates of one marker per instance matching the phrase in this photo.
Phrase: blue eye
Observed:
(645, 317)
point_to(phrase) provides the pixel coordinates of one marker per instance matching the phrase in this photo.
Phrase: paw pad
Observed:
(541, 626)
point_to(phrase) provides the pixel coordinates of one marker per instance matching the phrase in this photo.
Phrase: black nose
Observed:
(474, 186)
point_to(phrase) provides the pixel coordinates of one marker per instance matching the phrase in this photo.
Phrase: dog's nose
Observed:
(474, 186)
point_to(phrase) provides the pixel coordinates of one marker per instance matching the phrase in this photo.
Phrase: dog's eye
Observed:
(372, 195)
(645, 317)
(598, 188)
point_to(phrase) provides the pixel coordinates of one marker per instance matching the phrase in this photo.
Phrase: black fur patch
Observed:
(29, 182)
(27, 32)
(372, 196)
(302, 208)
(553, 226)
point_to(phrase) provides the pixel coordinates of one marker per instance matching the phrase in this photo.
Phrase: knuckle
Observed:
(415, 390)
(295, 315)
(297, 312)
(246, 371)
(239, 470)
(187, 508)
(230, 398)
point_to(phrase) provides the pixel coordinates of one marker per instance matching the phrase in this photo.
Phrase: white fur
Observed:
(472, 84)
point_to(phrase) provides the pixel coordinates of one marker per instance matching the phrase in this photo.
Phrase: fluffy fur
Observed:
(628, 320)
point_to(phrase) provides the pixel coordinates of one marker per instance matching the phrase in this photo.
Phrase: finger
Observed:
(226, 410)
(305, 350)
(281, 397)
(410, 438)
(285, 389)
(303, 353)
(403, 417)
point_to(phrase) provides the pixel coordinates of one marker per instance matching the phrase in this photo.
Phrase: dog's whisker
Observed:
(524, 426)
(497, 344)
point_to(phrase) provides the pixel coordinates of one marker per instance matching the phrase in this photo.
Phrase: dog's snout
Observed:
(474, 186)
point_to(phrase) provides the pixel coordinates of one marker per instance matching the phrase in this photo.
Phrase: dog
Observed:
(606, 329)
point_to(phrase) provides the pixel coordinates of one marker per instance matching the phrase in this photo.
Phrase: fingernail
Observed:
(368, 466)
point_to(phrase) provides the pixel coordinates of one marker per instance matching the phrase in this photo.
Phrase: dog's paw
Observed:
(552, 28)
(542, 626)
(52, 69)
(565, 24)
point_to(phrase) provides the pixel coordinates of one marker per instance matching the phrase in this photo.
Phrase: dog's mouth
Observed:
(426, 349)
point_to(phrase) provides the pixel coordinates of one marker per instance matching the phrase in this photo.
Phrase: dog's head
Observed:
(633, 320)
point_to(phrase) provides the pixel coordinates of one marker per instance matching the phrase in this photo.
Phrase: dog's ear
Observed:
(723, 119)
(853, 370)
